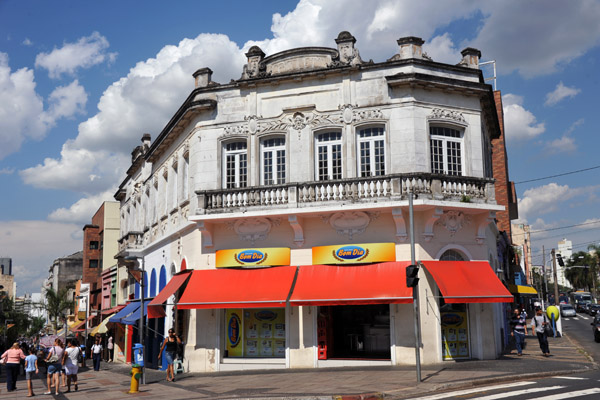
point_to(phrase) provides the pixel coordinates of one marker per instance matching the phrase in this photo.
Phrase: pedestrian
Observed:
(31, 368)
(111, 349)
(171, 342)
(518, 324)
(12, 361)
(538, 324)
(97, 353)
(72, 353)
(54, 362)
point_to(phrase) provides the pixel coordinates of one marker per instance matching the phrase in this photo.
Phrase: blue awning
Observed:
(134, 317)
(128, 310)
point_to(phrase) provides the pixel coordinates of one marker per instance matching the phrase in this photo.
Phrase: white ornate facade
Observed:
(315, 147)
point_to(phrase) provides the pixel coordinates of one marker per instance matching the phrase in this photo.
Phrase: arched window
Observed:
(162, 279)
(272, 161)
(446, 150)
(328, 160)
(153, 283)
(452, 255)
(145, 284)
(370, 144)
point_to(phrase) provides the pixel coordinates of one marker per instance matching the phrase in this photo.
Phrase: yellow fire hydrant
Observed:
(136, 374)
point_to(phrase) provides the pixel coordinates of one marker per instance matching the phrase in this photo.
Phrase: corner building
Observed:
(278, 204)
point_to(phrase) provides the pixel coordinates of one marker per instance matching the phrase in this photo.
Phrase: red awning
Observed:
(75, 327)
(155, 309)
(381, 283)
(468, 282)
(114, 309)
(238, 288)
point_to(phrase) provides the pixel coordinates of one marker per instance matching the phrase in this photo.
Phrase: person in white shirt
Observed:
(71, 356)
(111, 349)
(97, 353)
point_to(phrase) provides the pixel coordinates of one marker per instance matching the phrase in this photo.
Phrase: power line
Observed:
(554, 176)
(557, 228)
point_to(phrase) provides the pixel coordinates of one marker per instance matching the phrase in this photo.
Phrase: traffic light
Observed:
(560, 260)
(412, 273)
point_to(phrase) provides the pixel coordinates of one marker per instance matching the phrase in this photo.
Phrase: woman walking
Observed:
(54, 362)
(97, 353)
(12, 358)
(72, 353)
(171, 342)
(538, 323)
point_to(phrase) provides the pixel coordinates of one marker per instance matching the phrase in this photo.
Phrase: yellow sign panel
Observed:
(455, 335)
(354, 253)
(255, 332)
(262, 257)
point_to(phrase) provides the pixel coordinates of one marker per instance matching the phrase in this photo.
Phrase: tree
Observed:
(57, 305)
(580, 271)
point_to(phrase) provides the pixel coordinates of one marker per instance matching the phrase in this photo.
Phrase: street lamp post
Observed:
(134, 259)
(85, 325)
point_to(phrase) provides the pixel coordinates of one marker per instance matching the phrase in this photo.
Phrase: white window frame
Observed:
(371, 143)
(446, 142)
(174, 190)
(185, 170)
(273, 152)
(238, 161)
(328, 145)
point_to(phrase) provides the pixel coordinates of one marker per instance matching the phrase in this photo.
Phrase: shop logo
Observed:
(250, 257)
(265, 315)
(233, 330)
(452, 319)
(351, 253)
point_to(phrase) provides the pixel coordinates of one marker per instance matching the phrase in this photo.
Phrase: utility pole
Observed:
(545, 299)
(555, 275)
(415, 289)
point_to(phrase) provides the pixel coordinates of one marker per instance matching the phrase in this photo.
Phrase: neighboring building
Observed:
(5, 266)
(565, 249)
(308, 160)
(7, 280)
(100, 245)
(521, 238)
(64, 273)
(24, 304)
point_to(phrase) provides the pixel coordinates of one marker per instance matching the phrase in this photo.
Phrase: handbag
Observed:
(79, 356)
(548, 328)
(53, 358)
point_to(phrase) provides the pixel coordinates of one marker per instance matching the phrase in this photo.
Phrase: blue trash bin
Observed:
(138, 354)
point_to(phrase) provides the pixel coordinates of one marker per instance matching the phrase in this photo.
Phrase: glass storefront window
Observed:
(255, 332)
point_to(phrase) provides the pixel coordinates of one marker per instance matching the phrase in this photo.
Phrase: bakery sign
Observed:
(354, 253)
(256, 257)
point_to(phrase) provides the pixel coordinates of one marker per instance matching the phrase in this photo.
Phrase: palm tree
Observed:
(57, 304)
(594, 264)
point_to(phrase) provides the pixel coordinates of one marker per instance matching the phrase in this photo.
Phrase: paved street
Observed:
(112, 382)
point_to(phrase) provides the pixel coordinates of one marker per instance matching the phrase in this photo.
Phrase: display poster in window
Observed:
(354, 253)
(455, 335)
(253, 258)
(255, 332)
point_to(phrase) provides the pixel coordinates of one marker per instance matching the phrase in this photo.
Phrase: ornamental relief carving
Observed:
(253, 229)
(450, 115)
(453, 221)
(350, 223)
(298, 121)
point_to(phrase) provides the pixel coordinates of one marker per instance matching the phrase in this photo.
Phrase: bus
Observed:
(579, 298)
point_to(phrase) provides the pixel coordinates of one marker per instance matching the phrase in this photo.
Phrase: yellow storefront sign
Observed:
(354, 253)
(261, 257)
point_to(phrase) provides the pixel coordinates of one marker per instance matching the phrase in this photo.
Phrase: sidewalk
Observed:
(112, 382)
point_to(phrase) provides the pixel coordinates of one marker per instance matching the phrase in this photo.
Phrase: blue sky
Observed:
(80, 82)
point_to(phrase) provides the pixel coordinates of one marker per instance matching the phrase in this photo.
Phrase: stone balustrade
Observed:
(387, 187)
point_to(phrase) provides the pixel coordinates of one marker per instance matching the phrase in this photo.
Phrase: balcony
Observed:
(131, 240)
(353, 190)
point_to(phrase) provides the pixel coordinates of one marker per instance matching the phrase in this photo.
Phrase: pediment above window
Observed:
(445, 115)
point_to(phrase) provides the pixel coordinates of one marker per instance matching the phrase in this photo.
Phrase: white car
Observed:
(567, 310)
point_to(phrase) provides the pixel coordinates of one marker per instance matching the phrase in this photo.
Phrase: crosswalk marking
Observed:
(474, 390)
(567, 395)
(570, 377)
(519, 392)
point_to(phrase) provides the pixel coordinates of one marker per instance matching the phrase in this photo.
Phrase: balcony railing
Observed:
(131, 240)
(356, 190)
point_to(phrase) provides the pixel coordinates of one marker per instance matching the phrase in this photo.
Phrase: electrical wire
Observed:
(557, 175)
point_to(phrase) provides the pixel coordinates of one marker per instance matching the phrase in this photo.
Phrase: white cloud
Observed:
(549, 198)
(441, 49)
(566, 143)
(27, 42)
(83, 210)
(85, 53)
(561, 92)
(537, 37)
(66, 101)
(519, 123)
(7, 171)
(31, 246)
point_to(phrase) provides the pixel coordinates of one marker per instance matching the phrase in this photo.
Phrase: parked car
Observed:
(567, 310)
(586, 307)
(580, 306)
(594, 308)
(596, 328)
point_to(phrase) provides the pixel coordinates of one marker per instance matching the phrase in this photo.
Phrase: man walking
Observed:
(518, 325)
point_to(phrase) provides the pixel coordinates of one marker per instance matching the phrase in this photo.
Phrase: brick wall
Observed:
(500, 166)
